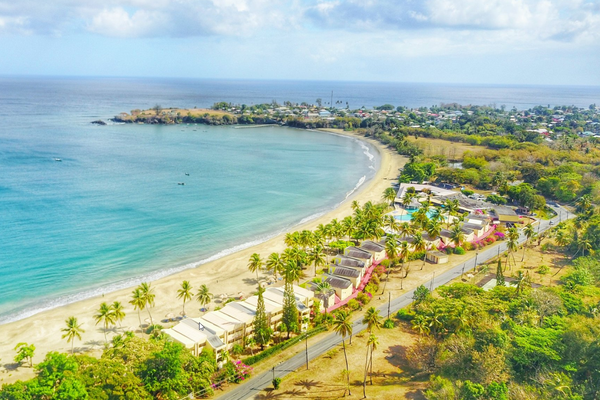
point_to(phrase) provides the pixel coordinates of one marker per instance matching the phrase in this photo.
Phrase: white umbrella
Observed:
(147, 320)
(169, 315)
(240, 294)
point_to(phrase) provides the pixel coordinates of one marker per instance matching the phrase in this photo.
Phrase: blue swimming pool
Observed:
(408, 217)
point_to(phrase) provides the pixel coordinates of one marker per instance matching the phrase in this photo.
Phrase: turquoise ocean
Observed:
(111, 213)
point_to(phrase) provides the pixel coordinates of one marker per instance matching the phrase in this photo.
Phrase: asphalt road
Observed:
(262, 381)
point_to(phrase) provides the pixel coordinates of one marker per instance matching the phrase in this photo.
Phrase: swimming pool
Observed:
(408, 217)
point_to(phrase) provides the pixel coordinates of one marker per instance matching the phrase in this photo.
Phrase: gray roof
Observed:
(349, 262)
(466, 230)
(338, 282)
(358, 253)
(211, 335)
(313, 286)
(344, 271)
(445, 233)
(372, 246)
(472, 226)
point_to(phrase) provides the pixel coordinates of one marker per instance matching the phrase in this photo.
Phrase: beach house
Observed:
(360, 254)
(351, 274)
(351, 262)
(376, 249)
(326, 297)
(343, 287)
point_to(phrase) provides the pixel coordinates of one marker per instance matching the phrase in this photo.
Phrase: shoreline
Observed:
(222, 274)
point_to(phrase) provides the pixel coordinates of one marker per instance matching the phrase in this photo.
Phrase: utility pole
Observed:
(306, 349)
(389, 302)
(476, 255)
(431, 284)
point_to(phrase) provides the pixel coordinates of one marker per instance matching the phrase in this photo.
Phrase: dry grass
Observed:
(392, 378)
(453, 151)
(181, 111)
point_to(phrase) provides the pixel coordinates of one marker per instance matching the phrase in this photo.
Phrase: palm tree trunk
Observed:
(105, 329)
(524, 249)
(72, 346)
(140, 318)
(365, 375)
(183, 306)
(347, 368)
(151, 320)
(371, 366)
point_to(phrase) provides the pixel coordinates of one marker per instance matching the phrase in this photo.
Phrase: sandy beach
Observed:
(225, 275)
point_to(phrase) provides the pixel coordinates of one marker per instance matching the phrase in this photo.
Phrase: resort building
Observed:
(274, 310)
(351, 262)
(376, 249)
(343, 287)
(350, 274)
(436, 257)
(360, 254)
(327, 298)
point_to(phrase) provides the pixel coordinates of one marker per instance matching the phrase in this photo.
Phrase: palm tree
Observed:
(275, 263)
(561, 238)
(118, 312)
(529, 234)
(318, 257)
(105, 315)
(452, 207)
(373, 342)
(292, 272)
(323, 288)
(72, 331)
(584, 244)
(389, 194)
(203, 296)
(407, 198)
(391, 223)
(348, 226)
(436, 215)
(148, 295)
(512, 247)
(405, 229)
(420, 218)
(434, 228)
(403, 256)
(307, 239)
(420, 245)
(255, 264)
(372, 319)
(456, 235)
(583, 204)
(185, 293)
(292, 239)
(138, 302)
(343, 327)
(391, 247)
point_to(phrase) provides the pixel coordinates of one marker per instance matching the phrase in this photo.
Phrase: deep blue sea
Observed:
(111, 213)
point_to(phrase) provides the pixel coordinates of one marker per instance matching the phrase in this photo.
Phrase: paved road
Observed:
(262, 381)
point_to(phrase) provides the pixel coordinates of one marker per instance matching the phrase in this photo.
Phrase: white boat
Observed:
(57, 159)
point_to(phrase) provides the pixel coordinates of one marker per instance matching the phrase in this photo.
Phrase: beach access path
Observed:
(228, 274)
(256, 384)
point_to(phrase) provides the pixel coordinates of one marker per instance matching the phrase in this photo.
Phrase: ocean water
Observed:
(112, 214)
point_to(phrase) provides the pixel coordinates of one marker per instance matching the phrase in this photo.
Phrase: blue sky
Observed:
(454, 41)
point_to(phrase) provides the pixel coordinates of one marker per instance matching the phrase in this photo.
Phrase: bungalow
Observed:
(377, 250)
(343, 287)
(468, 233)
(446, 236)
(361, 254)
(351, 274)
(431, 241)
(477, 229)
(351, 262)
(436, 257)
(326, 298)
(274, 310)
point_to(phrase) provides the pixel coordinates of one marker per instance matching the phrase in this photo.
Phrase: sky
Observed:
(553, 42)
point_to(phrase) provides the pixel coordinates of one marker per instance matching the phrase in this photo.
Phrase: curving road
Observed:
(262, 381)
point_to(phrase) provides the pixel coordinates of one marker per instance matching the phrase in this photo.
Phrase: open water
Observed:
(112, 214)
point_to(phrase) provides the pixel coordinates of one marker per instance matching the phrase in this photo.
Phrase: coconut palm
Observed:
(512, 248)
(138, 302)
(407, 198)
(529, 234)
(420, 245)
(292, 272)
(149, 296)
(317, 257)
(456, 235)
(105, 315)
(348, 226)
(583, 245)
(391, 223)
(420, 218)
(203, 296)
(292, 239)
(295, 255)
(561, 238)
(72, 331)
(391, 247)
(405, 229)
(373, 343)
(343, 327)
(307, 239)
(275, 264)
(323, 288)
(185, 293)
(372, 319)
(434, 228)
(255, 264)
(436, 215)
(583, 204)
(389, 195)
(118, 312)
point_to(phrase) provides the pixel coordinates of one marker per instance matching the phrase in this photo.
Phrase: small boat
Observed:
(181, 183)
(57, 159)
(187, 174)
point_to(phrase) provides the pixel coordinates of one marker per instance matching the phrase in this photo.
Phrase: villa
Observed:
(350, 274)
(376, 249)
(359, 253)
(343, 287)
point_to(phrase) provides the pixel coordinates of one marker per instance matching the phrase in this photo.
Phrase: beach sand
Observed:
(226, 275)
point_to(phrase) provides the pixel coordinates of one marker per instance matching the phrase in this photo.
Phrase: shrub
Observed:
(375, 280)
(282, 346)
(371, 288)
(459, 250)
(404, 315)
(469, 246)
(417, 255)
(543, 270)
(354, 305)
(499, 235)
(467, 192)
(276, 383)
(449, 250)
(363, 298)
(237, 349)
(388, 324)
(380, 270)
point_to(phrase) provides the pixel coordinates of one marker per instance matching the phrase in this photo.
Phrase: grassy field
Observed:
(181, 111)
(452, 150)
